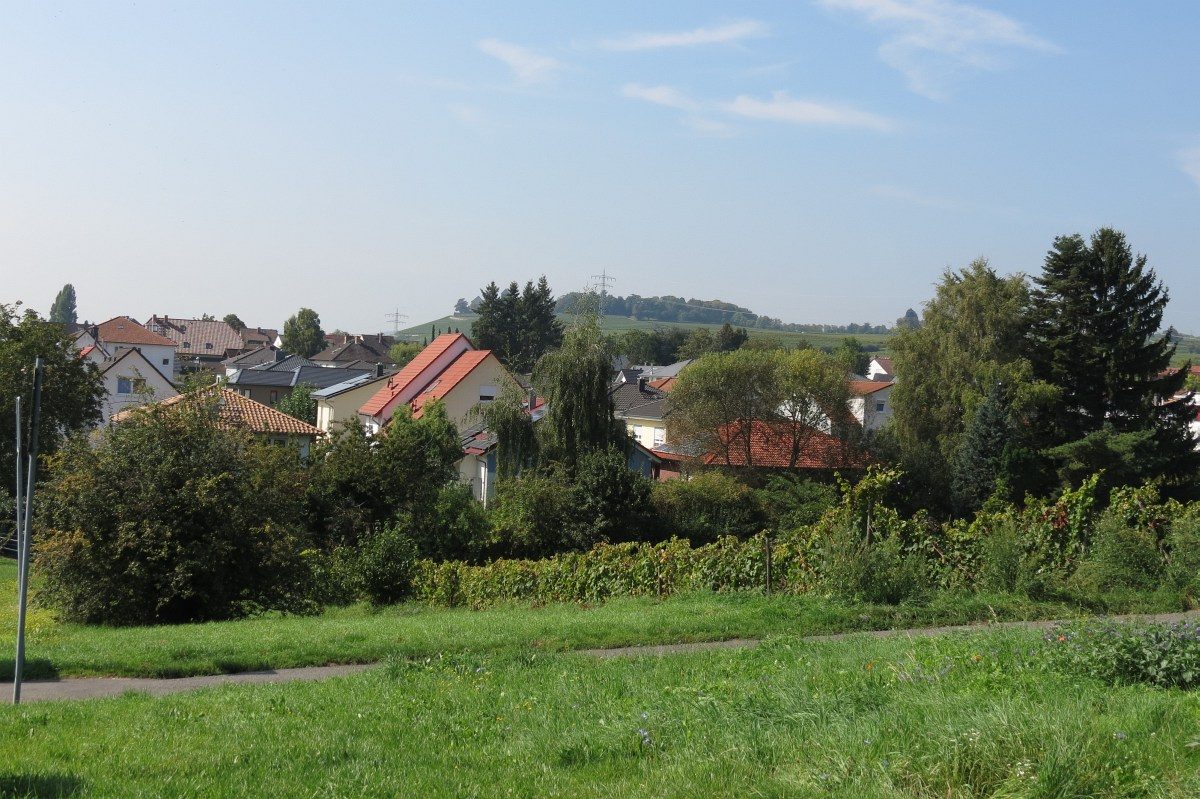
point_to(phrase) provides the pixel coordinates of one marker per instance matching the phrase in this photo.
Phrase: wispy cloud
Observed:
(660, 95)
(934, 40)
(1189, 162)
(527, 66)
(719, 34)
(782, 108)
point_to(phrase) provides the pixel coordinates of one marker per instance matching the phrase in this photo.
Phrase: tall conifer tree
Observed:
(1097, 335)
(63, 311)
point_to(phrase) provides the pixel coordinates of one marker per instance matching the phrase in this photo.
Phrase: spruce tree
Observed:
(63, 311)
(979, 464)
(1096, 335)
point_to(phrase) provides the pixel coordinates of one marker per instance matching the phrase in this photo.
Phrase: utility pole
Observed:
(25, 541)
(395, 317)
(604, 282)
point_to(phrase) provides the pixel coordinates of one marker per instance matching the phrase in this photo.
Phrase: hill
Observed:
(618, 324)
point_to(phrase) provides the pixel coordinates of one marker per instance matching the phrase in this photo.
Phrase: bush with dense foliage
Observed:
(385, 564)
(171, 517)
(710, 505)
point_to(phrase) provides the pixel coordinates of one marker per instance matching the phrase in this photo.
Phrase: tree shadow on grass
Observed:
(38, 786)
(35, 669)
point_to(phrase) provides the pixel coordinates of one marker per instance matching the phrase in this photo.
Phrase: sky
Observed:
(819, 161)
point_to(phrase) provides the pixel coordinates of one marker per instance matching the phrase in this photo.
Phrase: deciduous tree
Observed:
(302, 334)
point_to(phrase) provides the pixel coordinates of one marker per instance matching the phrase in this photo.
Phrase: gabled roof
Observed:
(124, 330)
(315, 376)
(348, 385)
(236, 411)
(885, 363)
(355, 350)
(862, 388)
(211, 337)
(656, 409)
(771, 447)
(629, 395)
(137, 356)
(450, 377)
(663, 383)
(256, 357)
(411, 371)
(284, 364)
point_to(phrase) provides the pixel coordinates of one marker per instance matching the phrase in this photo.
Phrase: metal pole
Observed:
(767, 546)
(35, 420)
(19, 521)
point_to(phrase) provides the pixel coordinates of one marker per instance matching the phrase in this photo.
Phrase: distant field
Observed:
(618, 324)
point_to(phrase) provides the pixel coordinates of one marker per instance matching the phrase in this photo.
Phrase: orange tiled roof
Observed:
(123, 330)
(861, 388)
(445, 382)
(771, 447)
(410, 372)
(239, 412)
(663, 384)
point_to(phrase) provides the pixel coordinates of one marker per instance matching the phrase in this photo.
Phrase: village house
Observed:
(357, 351)
(123, 333)
(235, 411)
(340, 402)
(130, 379)
(870, 403)
(268, 383)
(200, 343)
(449, 369)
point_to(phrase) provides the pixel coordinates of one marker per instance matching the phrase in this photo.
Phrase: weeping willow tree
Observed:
(507, 417)
(575, 380)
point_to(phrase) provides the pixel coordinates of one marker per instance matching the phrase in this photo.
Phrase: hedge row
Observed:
(632, 569)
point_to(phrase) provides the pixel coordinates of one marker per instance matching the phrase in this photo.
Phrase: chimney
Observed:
(532, 399)
(379, 370)
(641, 383)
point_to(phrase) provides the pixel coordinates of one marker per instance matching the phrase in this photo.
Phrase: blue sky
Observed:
(816, 161)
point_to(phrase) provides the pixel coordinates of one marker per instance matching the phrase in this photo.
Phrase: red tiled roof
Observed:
(123, 330)
(237, 411)
(445, 382)
(663, 384)
(83, 353)
(410, 372)
(198, 336)
(771, 447)
(861, 388)
(886, 363)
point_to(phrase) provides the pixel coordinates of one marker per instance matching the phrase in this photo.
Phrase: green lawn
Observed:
(360, 635)
(954, 716)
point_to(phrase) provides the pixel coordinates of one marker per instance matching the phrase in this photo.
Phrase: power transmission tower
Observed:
(604, 282)
(395, 317)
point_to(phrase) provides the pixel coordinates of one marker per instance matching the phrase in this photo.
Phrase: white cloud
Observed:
(1189, 162)
(660, 95)
(782, 108)
(527, 66)
(720, 34)
(933, 40)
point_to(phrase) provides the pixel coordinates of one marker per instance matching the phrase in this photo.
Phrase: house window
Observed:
(124, 385)
(660, 436)
(274, 397)
(166, 361)
(208, 345)
(637, 432)
(487, 393)
(879, 406)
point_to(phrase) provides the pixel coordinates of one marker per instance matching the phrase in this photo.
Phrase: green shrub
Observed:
(171, 517)
(710, 505)
(611, 501)
(1002, 558)
(532, 514)
(1123, 559)
(877, 570)
(335, 576)
(457, 529)
(386, 564)
(792, 502)
(1165, 655)
(1182, 570)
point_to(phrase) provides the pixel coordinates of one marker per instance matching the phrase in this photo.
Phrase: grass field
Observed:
(976, 715)
(618, 324)
(359, 635)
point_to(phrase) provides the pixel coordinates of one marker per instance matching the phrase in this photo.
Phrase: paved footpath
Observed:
(100, 687)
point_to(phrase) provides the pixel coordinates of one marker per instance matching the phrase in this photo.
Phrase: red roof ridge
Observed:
(451, 376)
(411, 371)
